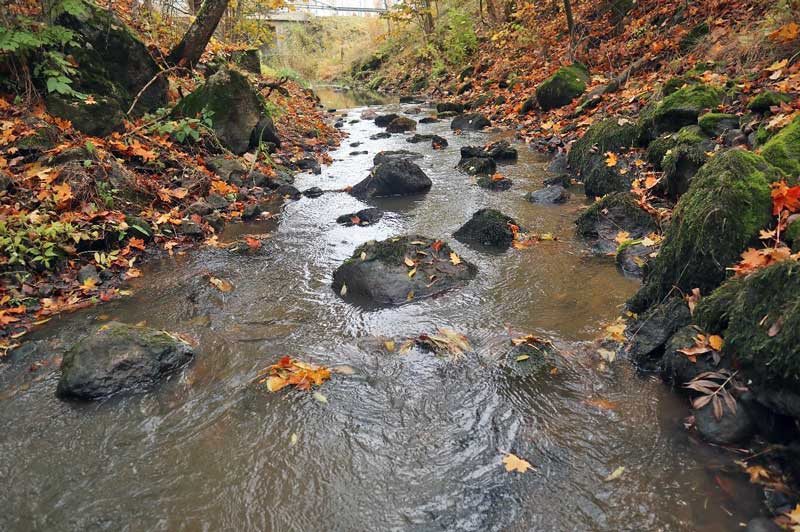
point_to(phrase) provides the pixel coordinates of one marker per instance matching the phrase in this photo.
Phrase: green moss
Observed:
(762, 136)
(783, 150)
(607, 135)
(727, 204)
(693, 37)
(657, 149)
(562, 87)
(711, 123)
(676, 83)
(684, 159)
(759, 317)
(622, 205)
(761, 102)
(679, 109)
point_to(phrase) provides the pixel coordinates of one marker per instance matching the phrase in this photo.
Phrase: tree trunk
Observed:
(570, 22)
(196, 5)
(187, 52)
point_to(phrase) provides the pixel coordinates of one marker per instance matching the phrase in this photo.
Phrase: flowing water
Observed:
(409, 441)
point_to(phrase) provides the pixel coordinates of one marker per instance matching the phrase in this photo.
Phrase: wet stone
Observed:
(551, 195)
(478, 166)
(89, 273)
(313, 192)
(381, 135)
(363, 217)
(216, 201)
(385, 120)
(489, 228)
(393, 178)
(732, 427)
(379, 273)
(395, 155)
(496, 185)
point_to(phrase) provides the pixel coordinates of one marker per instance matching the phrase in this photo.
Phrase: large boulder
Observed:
(783, 150)
(561, 88)
(398, 177)
(679, 109)
(385, 120)
(449, 107)
(249, 60)
(602, 222)
(117, 357)
(470, 122)
(235, 108)
(727, 204)
(588, 155)
(400, 270)
(489, 228)
(716, 124)
(113, 66)
(766, 100)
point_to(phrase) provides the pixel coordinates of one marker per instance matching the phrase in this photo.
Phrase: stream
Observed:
(408, 441)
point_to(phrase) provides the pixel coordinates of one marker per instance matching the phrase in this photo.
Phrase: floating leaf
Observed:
(343, 291)
(455, 259)
(319, 397)
(515, 463)
(615, 475)
(220, 284)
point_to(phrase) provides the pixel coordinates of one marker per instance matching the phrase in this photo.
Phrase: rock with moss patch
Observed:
(489, 228)
(587, 156)
(727, 204)
(398, 177)
(783, 149)
(234, 105)
(716, 124)
(679, 109)
(678, 82)
(99, 119)
(401, 124)
(683, 160)
(249, 60)
(658, 148)
(400, 270)
(116, 358)
(764, 101)
(478, 166)
(449, 107)
(385, 120)
(561, 88)
(633, 257)
(602, 222)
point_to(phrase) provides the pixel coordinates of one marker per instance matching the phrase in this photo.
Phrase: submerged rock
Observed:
(397, 177)
(381, 135)
(536, 357)
(429, 120)
(379, 273)
(477, 166)
(117, 357)
(362, 217)
(417, 138)
(549, 195)
(601, 222)
(438, 143)
(727, 204)
(470, 122)
(487, 227)
(732, 427)
(313, 192)
(562, 87)
(499, 151)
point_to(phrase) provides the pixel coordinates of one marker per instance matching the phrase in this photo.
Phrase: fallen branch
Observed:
(147, 85)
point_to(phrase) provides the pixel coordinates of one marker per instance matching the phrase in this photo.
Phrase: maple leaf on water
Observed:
(515, 463)
(292, 372)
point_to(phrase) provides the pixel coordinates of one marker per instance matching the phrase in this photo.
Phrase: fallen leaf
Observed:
(319, 397)
(455, 259)
(615, 475)
(515, 463)
(220, 284)
(611, 159)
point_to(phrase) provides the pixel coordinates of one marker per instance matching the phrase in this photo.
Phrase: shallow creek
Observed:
(409, 441)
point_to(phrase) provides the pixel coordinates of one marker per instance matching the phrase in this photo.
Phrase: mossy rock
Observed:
(679, 109)
(783, 150)
(761, 136)
(535, 358)
(112, 62)
(658, 148)
(763, 101)
(715, 124)
(617, 212)
(379, 272)
(693, 37)
(376, 83)
(562, 87)
(587, 156)
(97, 120)
(726, 206)
(684, 159)
(678, 82)
(249, 60)
(487, 227)
(759, 317)
(235, 106)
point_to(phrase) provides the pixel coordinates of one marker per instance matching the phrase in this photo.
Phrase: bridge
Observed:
(344, 7)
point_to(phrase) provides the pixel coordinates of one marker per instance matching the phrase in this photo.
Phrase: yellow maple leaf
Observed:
(455, 259)
(716, 342)
(515, 463)
(611, 159)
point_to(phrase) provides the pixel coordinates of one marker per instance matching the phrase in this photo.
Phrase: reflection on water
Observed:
(334, 97)
(409, 442)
